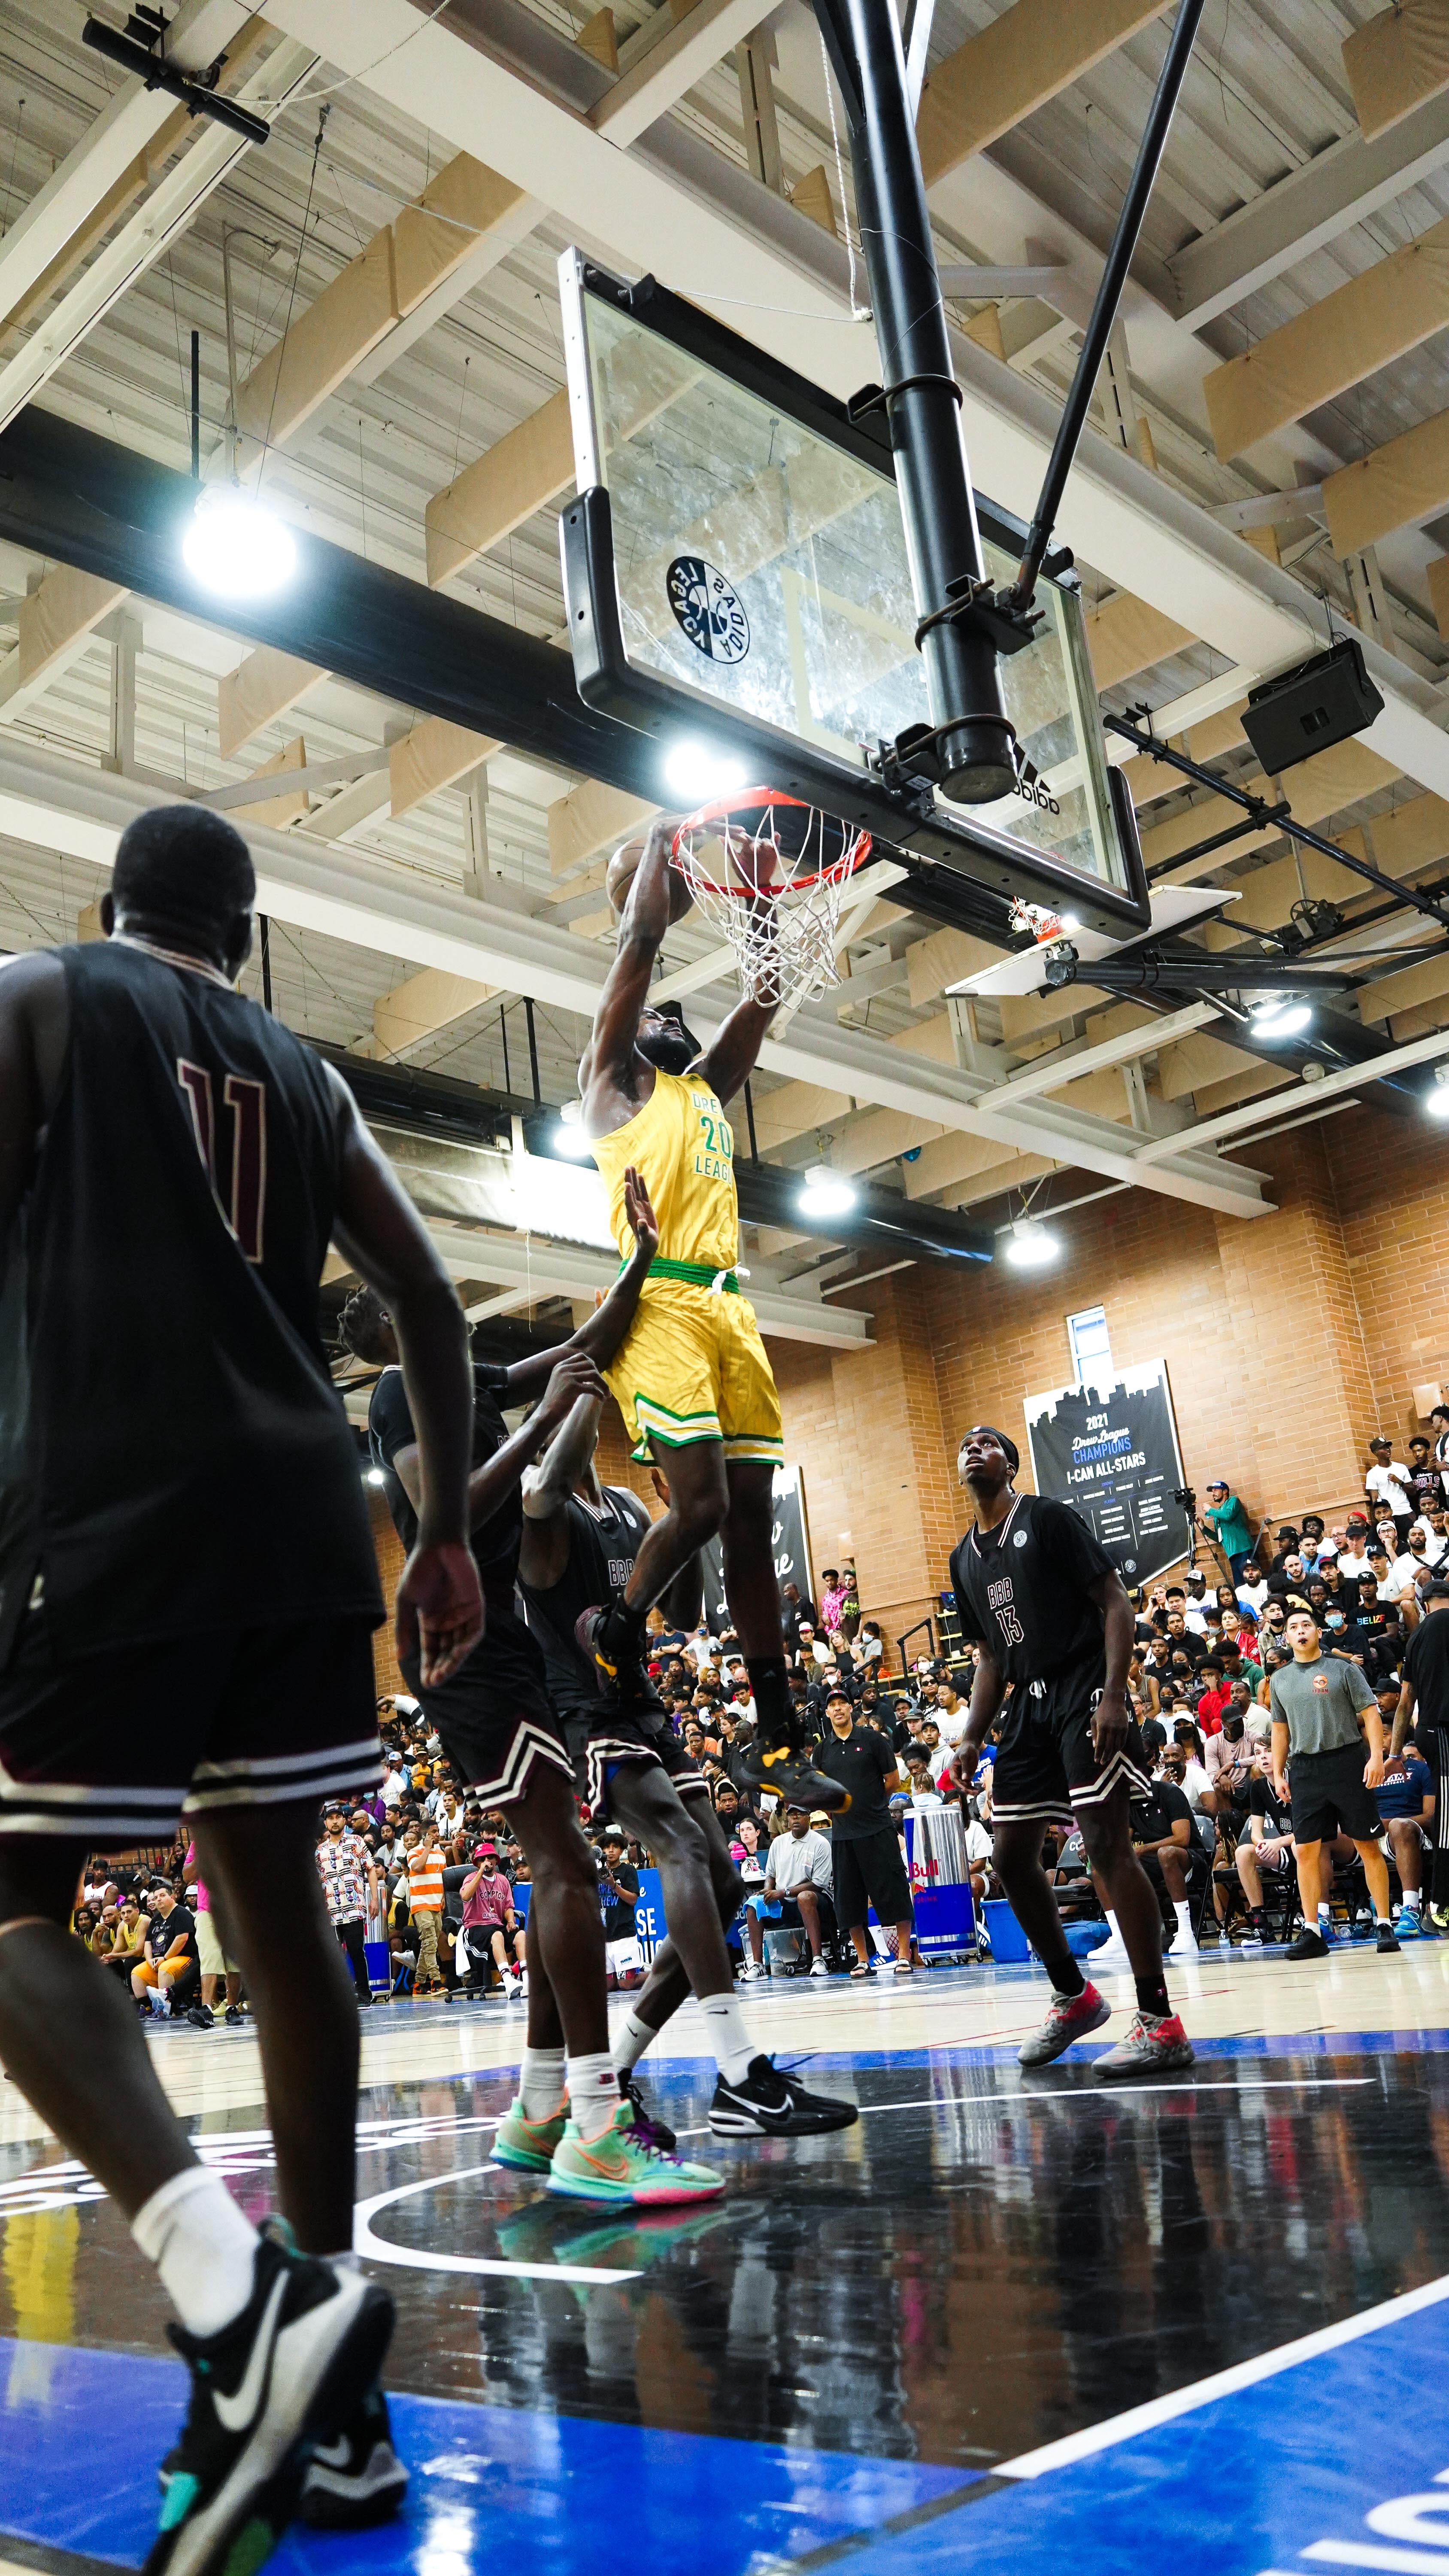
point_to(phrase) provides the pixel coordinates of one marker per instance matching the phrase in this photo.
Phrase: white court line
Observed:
(1222, 2383)
(364, 2241)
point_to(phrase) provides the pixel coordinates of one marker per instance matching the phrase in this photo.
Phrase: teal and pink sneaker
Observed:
(527, 2145)
(625, 2166)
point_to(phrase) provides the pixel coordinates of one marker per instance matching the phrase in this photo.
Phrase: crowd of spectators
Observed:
(429, 1894)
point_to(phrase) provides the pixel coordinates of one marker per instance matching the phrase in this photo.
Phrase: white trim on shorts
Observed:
(528, 1744)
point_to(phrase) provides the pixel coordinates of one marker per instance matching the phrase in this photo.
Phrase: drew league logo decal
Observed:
(708, 609)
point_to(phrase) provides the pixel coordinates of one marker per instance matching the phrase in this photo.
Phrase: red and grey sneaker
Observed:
(1150, 2048)
(1069, 2017)
(791, 1775)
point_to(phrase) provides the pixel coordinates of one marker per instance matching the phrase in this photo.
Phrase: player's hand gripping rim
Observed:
(1110, 1721)
(439, 1610)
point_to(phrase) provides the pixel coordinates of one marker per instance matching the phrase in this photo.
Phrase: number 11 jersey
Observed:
(173, 1455)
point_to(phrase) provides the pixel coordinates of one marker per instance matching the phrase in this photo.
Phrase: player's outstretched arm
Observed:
(602, 1336)
(547, 1486)
(608, 1061)
(380, 1234)
(732, 1058)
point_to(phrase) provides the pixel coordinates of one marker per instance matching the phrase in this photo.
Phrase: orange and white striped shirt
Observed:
(425, 1881)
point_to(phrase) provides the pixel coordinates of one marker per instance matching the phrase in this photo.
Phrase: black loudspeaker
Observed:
(1312, 708)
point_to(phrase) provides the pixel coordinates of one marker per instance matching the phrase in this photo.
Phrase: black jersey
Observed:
(506, 1665)
(604, 1540)
(173, 1454)
(1022, 1588)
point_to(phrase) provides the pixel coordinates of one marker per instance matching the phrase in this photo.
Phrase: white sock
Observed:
(593, 2093)
(1115, 1929)
(1411, 1900)
(541, 2082)
(1183, 1911)
(1325, 1910)
(630, 2041)
(724, 2028)
(202, 2246)
(1381, 1921)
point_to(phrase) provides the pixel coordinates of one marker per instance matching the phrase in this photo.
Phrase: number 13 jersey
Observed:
(173, 1455)
(1022, 1589)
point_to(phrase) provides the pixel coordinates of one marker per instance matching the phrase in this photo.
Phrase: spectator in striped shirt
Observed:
(425, 1904)
(349, 1883)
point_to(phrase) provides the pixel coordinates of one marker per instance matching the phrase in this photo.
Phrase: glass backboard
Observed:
(761, 570)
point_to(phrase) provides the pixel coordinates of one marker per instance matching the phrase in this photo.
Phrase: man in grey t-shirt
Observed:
(1316, 1702)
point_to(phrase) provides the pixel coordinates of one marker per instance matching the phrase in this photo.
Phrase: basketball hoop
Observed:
(769, 875)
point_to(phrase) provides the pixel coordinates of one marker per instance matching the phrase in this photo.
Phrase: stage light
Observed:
(1032, 1246)
(695, 772)
(1437, 1098)
(235, 547)
(827, 1193)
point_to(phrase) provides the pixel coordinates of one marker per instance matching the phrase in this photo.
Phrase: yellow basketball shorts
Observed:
(694, 1368)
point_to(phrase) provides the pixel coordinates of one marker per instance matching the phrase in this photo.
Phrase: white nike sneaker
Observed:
(818, 1968)
(1183, 1944)
(750, 1972)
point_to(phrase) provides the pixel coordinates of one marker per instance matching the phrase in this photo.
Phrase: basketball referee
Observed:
(1051, 1615)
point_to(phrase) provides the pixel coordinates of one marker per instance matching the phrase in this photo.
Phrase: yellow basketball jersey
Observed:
(683, 1146)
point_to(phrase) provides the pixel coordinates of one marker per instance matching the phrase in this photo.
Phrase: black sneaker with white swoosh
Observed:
(356, 2478)
(304, 2351)
(766, 2104)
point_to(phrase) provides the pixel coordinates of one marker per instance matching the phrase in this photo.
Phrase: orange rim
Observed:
(720, 808)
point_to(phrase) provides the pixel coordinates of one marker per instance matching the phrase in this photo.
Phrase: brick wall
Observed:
(391, 1557)
(1391, 1187)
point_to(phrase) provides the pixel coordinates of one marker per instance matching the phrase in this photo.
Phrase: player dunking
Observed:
(580, 1542)
(1052, 1618)
(692, 1379)
(187, 1594)
(500, 1732)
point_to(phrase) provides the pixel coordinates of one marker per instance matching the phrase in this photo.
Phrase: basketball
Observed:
(620, 877)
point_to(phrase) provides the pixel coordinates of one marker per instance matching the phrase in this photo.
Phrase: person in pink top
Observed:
(210, 1948)
(488, 1916)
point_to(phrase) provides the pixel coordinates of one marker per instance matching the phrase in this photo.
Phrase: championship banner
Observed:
(1112, 1453)
(790, 1539)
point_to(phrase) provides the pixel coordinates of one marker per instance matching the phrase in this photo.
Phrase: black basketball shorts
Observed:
(1047, 1767)
(869, 1870)
(612, 1738)
(496, 1730)
(112, 1749)
(1329, 1796)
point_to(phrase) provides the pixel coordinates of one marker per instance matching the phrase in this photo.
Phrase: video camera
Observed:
(1186, 1500)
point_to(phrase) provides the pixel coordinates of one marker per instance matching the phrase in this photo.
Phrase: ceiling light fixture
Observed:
(235, 547)
(1032, 1246)
(827, 1193)
(1281, 1017)
(1436, 1099)
(568, 1136)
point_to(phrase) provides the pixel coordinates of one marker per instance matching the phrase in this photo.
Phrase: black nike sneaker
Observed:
(657, 2131)
(767, 2104)
(306, 2348)
(791, 1775)
(621, 1673)
(356, 2479)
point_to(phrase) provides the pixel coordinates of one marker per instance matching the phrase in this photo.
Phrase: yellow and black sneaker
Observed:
(617, 1656)
(790, 1774)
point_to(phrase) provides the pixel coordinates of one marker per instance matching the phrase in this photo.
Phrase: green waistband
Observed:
(696, 1274)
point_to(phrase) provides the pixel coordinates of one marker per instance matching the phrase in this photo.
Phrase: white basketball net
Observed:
(769, 876)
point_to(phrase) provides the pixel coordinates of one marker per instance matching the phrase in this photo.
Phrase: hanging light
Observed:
(568, 1137)
(696, 771)
(827, 1193)
(1281, 1017)
(1436, 1100)
(236, 547)
(1032, 1246)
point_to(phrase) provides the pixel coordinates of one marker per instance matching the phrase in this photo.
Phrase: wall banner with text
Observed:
(1112, 1453)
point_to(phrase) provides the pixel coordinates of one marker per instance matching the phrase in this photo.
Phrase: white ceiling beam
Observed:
(671, 67)
(375, 904)
(1364, 324)
(414, 1011)
(1339, 188)
(56, 622)
(149, 233)
(1063, 1065)
(133, 118)
(1355, 1077)
(676, 207)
